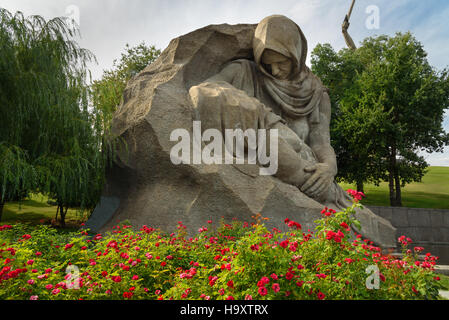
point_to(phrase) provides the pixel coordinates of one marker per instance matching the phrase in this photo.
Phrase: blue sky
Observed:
(107, 25)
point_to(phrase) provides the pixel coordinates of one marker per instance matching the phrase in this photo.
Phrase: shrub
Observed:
(236, 261)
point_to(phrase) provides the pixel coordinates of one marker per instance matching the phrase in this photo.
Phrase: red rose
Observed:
(344, 225)
(265, 280)
(284, 243)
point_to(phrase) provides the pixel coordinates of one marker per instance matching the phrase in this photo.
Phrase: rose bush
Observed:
(236, 261)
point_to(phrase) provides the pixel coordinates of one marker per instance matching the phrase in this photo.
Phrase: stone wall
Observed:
(428, 228)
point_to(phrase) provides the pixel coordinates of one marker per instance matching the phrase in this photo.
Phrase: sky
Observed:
(108, 25)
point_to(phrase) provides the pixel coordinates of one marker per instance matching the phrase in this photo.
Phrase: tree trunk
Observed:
(360, 186)
(391, 187)
(63, 214)
(397, 182)
(391, 177)
(2, 204)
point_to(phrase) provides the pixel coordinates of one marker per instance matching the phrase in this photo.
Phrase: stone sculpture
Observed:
(227, 77)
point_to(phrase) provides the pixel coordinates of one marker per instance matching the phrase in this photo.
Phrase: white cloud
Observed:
(438, 159)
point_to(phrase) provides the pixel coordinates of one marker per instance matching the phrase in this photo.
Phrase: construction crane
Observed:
(349, 42)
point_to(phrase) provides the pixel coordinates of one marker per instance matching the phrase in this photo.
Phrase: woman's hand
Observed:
(320, 180)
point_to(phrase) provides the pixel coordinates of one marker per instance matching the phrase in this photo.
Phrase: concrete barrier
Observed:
(428, 228)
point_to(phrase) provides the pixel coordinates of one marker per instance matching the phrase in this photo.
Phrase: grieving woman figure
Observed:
(278, 91)
(227, 78)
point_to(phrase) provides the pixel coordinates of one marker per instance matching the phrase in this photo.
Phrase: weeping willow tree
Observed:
(50, 140)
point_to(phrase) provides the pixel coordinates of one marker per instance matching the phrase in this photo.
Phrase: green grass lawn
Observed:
(36, 210)
(432, 192)
(445, 282)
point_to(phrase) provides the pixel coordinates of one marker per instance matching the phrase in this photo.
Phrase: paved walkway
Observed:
(443, 269)
(444, 294)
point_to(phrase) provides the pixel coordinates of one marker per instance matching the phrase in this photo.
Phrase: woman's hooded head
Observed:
(282, 35)
(299, 95)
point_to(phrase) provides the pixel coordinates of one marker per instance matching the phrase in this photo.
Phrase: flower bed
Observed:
(237, 261)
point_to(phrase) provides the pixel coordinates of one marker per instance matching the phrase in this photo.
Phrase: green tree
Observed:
(50, 142)
(351, 128)
(388, 105)
(338, 72)
(107, 92)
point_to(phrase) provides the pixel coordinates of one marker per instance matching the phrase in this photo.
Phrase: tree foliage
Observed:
(107, 92)
(388, 104)
(49, 139)
(338, 71)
